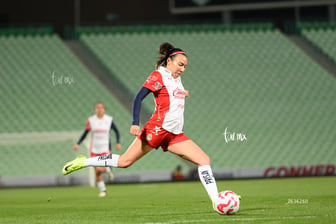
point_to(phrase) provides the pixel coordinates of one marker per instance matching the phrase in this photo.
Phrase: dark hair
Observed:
(99, 102)
(165, 51)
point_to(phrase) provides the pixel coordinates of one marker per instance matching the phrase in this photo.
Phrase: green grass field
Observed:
(289, 200)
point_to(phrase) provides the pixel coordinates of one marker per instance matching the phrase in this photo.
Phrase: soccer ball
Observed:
(227, 203)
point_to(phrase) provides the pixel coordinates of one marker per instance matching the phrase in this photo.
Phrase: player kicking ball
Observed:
(164, 128)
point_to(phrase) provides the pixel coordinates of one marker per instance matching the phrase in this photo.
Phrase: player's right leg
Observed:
(134, 152)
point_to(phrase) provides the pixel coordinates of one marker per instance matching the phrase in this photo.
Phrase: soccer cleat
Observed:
(213, 205)
(74, 165)
(102, 194)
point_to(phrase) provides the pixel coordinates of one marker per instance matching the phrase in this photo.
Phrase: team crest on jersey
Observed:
(149, 137)
(157, 85)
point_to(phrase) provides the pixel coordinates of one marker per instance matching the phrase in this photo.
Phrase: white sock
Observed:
(104, 160)
(108, 169)
(101, 186)
(208, 180)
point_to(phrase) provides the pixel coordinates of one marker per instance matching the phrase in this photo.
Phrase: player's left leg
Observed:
(135, 151)
(191, 151)
(100, 181)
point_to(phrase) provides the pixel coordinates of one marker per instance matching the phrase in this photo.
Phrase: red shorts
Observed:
(92, 154)
(157, 136)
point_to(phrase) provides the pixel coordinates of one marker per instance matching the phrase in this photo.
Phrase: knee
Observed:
(100, 170)
(124, 163)
(205, 160)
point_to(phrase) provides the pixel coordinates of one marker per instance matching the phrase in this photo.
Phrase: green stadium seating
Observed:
(206, 27)
(323, 35)
(45, 89)
(251, 81)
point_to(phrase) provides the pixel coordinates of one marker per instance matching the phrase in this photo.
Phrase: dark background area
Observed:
(69, 13)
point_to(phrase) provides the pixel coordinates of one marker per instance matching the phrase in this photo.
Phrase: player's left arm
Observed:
(117, 134)
(83, 136)
(186, 93)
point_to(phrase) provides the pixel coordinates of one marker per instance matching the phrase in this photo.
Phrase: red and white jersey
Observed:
(169, 98)
(100, 128)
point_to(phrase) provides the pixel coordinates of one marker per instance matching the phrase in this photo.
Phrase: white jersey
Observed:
(100, 128)
(169, 98)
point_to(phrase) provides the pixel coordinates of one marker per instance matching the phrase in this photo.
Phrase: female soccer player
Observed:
(164, 128)
(100, 124)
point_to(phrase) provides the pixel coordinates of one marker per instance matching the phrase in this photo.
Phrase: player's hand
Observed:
(118, 146)
(135, 130)
(75, 147)
(186, 93)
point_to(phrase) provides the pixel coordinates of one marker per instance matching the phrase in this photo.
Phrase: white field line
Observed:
(240, 219)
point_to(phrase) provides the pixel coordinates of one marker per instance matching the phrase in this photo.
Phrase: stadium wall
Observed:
(165, 176)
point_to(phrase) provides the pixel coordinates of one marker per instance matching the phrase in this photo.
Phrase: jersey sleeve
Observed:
(136, 106)
(87, 125)
(82, 137)
(116, 131)
(154, 82)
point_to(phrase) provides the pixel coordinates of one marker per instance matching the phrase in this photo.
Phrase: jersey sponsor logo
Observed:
(178, 93)
(206, 177)
(181, 106)
(100, 130)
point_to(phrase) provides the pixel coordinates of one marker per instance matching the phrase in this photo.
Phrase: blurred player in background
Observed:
(100, 125)
(164, 128)
(177, 173)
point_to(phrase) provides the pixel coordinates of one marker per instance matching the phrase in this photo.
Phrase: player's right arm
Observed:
(135, 128)
(83, 136)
